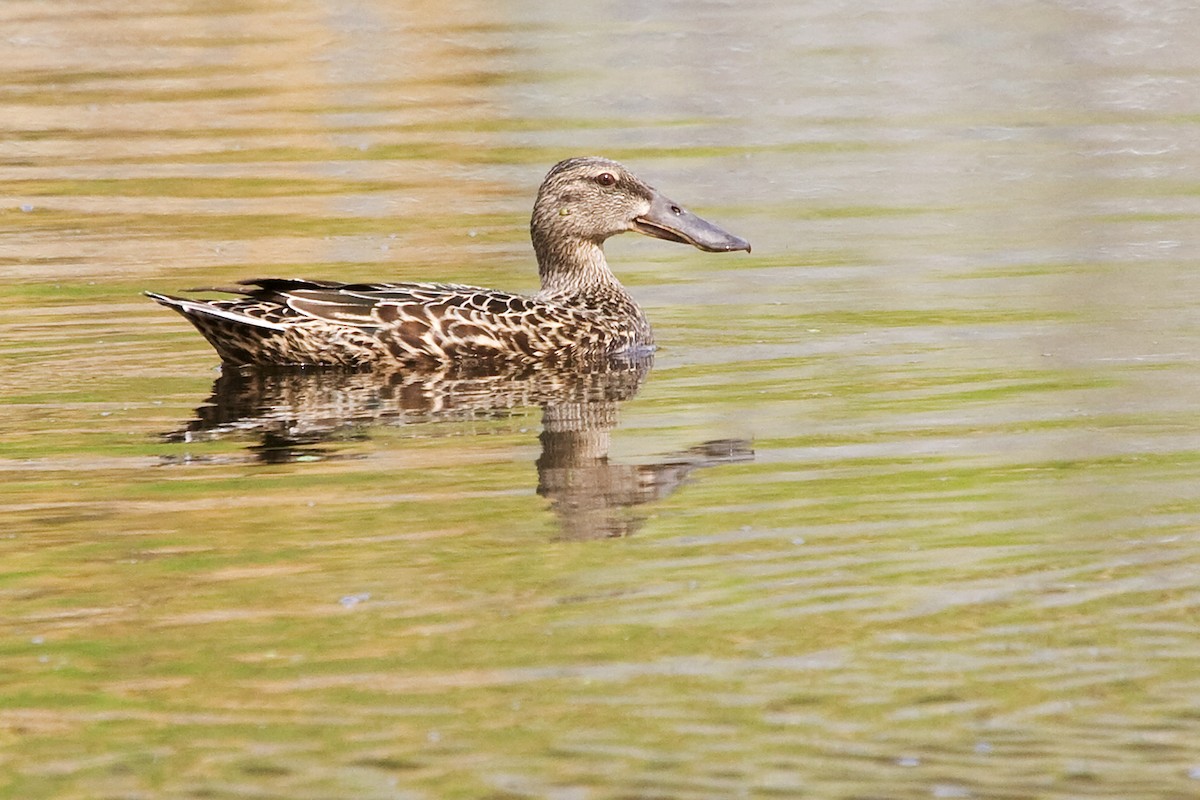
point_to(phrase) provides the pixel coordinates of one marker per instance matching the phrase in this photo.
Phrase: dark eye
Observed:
(606, 179)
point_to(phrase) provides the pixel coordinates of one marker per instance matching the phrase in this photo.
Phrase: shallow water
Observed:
(906, 506)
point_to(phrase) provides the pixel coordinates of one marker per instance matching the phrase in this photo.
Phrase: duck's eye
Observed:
(606, 179)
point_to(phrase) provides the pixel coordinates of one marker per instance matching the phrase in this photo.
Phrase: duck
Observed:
(581, 312)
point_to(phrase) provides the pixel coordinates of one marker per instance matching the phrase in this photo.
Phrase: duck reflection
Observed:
(294, 414)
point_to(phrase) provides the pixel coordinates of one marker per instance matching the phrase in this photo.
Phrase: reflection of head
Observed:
(594, 498)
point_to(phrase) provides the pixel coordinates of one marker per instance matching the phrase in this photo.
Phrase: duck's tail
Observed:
(254, 332)
(196, 310)
(239, 338)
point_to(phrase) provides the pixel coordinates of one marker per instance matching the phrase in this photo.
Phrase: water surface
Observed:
(906, 506)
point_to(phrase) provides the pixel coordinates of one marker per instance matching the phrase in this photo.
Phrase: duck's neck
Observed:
(574, 268)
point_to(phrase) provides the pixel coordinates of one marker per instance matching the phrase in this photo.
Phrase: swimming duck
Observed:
(582, 311)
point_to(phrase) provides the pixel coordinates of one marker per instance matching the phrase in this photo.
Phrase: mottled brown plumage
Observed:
(582, 311)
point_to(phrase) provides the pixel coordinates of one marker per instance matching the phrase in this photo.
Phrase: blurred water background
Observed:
(906, 508)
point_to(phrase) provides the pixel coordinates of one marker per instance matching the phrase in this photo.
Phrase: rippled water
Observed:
(906, 506)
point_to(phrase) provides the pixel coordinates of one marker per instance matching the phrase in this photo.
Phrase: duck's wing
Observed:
(358, 304)
(432, 320)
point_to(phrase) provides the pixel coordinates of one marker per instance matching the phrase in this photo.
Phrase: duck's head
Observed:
(592, 198)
